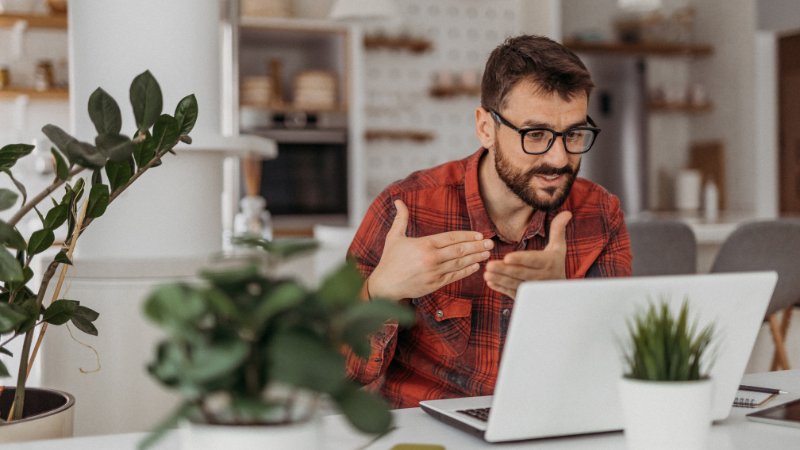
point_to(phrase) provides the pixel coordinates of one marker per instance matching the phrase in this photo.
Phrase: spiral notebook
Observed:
(750, 399)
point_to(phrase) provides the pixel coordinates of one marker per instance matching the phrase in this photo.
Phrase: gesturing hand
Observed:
(548, 264)
(413, 267)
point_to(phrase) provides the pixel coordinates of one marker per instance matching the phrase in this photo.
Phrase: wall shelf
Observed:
(53, 21)
(409, 43)
(454, 91)
(50, 94)
(409, 135)
(640, 48)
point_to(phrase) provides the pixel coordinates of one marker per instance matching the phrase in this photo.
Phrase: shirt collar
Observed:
(478, 217)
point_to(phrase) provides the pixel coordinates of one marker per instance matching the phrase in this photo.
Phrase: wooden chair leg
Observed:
(787, 316)
(779, 361)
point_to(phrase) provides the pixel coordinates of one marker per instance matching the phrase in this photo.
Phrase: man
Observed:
(457, 240)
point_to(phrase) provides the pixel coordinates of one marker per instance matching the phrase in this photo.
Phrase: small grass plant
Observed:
(663, 347)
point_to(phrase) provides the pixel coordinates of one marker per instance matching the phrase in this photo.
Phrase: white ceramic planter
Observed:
(666, 415)
(296, 436)
(49, 415)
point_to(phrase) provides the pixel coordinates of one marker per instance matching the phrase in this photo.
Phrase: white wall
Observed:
(729, 26)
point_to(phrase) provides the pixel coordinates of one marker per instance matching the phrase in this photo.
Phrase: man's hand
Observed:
(413, 267)
(548, 264)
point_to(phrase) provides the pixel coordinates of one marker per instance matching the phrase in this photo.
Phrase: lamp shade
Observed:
(361, 9)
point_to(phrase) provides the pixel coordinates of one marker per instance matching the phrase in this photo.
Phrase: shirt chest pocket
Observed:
(443, 324)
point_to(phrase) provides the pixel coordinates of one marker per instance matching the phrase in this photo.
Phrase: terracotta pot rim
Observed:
(69, 404)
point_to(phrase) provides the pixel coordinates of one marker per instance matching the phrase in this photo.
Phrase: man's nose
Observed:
(557, 156)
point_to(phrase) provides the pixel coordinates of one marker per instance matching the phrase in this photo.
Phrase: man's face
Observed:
(542, 181)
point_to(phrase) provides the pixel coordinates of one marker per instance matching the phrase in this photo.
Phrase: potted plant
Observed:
(253, 354)
(112, 164)
(666, 392)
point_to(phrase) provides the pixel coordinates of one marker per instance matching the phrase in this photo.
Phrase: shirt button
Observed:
(439, 313)
(506, 312)
(414, 301)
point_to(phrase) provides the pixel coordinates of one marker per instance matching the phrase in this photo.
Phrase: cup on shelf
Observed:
(687, 190)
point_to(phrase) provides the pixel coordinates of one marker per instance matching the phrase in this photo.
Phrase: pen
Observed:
(765, 390)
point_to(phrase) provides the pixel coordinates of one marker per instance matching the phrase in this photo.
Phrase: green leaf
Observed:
(7, 199)
(87, 314)
(118, 173)
(77, 152)
(62, 170)
(60, 311)
(209, 362)
(145, 151)
(10, 317)
(365, 318)
(104, 112)
(61, 257)
(5, 351)
(304, 360)
(342, 287)
(10, 268)
(56, 216)
(84, 325)
(30, 308)
(40, 241)
(282, 248)
(4, 370)
(98, 200)
(165, 132)
(186, 114)
(366, 411)
(10, 237)
(146, 99)
(175, 306)
(117, 147)
(285, 296)
(10, 153)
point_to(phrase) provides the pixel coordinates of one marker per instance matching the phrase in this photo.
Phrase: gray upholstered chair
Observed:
(768, 245)
(662, 247)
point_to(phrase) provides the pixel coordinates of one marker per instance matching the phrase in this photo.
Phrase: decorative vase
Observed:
(666, 415)
(304, 435)
(48, 415)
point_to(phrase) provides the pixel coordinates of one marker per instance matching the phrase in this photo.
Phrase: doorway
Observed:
(789, 120)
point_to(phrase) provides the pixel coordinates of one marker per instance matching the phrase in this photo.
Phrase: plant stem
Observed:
(27, 207)
(18, 406)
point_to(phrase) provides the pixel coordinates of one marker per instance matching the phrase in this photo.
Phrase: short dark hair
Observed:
(548, 64)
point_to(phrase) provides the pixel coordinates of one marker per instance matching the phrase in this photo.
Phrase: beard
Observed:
(549, 198)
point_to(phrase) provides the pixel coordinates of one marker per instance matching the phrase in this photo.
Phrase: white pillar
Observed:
(173, 210)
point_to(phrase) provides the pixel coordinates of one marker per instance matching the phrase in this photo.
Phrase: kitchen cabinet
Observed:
(295, 84)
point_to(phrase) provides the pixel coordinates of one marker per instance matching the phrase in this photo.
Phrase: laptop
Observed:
(563, 354)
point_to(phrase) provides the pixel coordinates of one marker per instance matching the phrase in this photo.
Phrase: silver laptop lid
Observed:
(563, 353)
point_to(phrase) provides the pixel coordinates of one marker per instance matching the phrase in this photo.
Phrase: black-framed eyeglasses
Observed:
(538, 140)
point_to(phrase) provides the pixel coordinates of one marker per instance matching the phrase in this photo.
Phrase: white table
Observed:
(414, 426)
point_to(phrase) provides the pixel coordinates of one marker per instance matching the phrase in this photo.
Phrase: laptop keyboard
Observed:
(478, 413)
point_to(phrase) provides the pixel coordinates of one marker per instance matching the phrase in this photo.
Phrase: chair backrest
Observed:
(766, 245)
(662, 247)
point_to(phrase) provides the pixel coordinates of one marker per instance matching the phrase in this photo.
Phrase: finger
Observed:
(457, 264)
(501, 279)
(503, 290)
(400, 223)
(459, 274)
(462, 249)
(521, 273)
(536, 259)
(448, 238)
(558, 231)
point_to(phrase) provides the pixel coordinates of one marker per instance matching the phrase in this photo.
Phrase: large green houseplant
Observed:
(112, 164)
(247, 347)
(666, 391)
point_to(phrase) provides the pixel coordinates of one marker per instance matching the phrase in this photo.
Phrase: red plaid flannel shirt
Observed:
(454, 348)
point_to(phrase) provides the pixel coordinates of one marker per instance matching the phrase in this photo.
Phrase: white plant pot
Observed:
(49, 414)
(666, 414)
(300, 436)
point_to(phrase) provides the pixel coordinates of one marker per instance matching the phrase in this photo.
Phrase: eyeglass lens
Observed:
(576, 140)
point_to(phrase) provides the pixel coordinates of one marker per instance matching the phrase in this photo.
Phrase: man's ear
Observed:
(484, 127)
